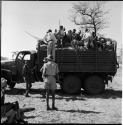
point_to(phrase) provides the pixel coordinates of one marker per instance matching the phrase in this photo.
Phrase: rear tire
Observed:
(71, 84)
(94, 85)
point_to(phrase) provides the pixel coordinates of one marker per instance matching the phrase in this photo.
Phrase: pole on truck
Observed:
(59, 23)
(35, 37)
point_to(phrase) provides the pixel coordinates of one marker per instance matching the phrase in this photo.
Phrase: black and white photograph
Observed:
(61, 62)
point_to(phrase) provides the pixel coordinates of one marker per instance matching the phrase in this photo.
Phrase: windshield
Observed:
(23, 56)
(14, 54)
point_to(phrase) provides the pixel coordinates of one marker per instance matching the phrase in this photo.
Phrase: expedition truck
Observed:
(89, 70)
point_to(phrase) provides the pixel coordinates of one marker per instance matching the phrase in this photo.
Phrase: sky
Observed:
(36, 17)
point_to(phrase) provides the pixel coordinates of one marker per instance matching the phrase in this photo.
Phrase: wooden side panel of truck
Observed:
(70, 60)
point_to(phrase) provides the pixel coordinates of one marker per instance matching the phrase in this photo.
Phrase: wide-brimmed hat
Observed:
(49, 57)
(3, 82)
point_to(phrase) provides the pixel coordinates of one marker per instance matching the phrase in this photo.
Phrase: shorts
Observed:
(50, 83)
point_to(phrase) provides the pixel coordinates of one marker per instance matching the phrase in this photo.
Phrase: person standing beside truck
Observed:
(50, 74)
(26, 71)
(50, 40)
(41, 70)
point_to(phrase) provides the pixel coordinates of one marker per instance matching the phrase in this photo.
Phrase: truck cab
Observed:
(12, 69)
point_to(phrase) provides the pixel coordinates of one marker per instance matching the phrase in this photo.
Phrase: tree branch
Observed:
(90, 16)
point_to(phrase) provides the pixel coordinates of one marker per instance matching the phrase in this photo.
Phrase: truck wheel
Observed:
(71, 84)
(94, 85)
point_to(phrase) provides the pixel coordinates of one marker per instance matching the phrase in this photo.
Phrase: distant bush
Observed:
(4, 58)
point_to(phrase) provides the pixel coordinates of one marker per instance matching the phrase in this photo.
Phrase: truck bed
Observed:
(71, 60)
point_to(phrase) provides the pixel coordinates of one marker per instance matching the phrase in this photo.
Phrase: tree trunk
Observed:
(95, 29)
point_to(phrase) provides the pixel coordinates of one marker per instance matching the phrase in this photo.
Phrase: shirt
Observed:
(62, 33)
(50, 36)
(86, 35)
(50, 68)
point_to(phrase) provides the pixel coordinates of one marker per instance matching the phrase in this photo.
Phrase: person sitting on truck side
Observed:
(27, 75)
(74, 34)
(56, 35)
(69, 35)
(50, 74)
(50, 40)
(41, 44)
(66, 41)
(55, 32)
(10, 112)
(78, 35)
(102, 44)
(92, 41)
(110, 44)
(61, 34)
(86, 38)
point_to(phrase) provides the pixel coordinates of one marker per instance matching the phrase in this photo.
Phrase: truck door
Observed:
(20, 60)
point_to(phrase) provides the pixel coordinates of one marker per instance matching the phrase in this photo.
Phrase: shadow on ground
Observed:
(80, 111)
(21, 91)
(29, 117)
(109, 93)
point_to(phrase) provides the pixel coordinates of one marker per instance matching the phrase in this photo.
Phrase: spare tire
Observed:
(71, 84)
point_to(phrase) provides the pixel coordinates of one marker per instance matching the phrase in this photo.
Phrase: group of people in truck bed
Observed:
(81, 41)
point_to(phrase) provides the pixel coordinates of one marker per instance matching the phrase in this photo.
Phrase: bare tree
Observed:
(89, 14)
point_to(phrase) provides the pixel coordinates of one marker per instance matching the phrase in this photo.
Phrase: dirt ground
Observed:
(82, 108)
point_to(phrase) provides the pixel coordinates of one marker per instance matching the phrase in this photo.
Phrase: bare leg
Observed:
(53, 100)
(47, 99)
(44, 93)
(27, 89)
